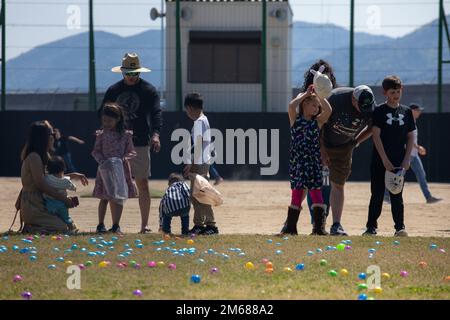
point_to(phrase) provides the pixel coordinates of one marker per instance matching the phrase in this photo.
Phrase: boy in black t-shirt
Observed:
(393, 126)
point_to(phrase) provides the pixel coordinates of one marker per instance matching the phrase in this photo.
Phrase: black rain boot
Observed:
(290, 225)
(319, 219)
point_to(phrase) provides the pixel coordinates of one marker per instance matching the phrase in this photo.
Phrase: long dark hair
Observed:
(114, 110)
(38, 140)
(309, 77)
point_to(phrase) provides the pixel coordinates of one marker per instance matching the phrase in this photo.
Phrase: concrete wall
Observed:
(232, 16)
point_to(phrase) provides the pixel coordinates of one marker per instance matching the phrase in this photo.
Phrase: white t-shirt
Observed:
(414, 151)
(201, 137)
(60, 184)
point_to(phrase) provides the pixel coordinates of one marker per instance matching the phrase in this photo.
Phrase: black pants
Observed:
(377, 188)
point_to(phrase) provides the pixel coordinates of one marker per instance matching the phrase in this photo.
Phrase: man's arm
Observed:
(154, 120)
(365, 134)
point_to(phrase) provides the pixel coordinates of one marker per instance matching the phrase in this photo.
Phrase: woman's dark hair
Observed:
(309, 77)
(38, 140)
(193, 100)
(113, 110)
(56, 165)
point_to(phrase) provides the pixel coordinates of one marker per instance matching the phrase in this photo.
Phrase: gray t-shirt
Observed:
(345, 122)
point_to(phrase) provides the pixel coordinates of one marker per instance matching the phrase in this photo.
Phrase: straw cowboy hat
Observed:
(130, 63)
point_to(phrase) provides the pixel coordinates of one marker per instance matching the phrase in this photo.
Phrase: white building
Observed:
(221, 56)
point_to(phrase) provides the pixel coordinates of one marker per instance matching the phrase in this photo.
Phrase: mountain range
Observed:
(62, 65)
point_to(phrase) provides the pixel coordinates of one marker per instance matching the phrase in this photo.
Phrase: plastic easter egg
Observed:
(190, 241)
(51, 266)
(137, 293)
(201, 260)
(68, 262)
(332, 273)
(348, 247)
(362, 276)
(300, 267)
(287, 269)
(362, 286)
(264, 260)
(404, 274)
(160, 264)
(372, 250)
(88, 263)
(318, 250)
(172, 266)
(343, 272)
(268, 270)
(447, 279)
(385, 276)
(396, 242)
(269, 240)
(423, 264)
(362, 296)
(195, 278)
(60, 259)
(81, 266)
(377, 290)
(340, 247)
(32, 258)
(309, 253)
(278, 252)
(323, 262)
(103, 264)
(26, 295)
(17, 278)
(433, 246)
(269, 264)
(249, 266)
(213, 270)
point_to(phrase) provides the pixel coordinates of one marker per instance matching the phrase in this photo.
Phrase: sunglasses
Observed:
(131, 74)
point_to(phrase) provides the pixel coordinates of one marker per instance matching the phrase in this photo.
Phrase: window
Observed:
(224, 57)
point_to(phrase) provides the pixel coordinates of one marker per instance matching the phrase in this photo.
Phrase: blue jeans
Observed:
(326, 190)
(59, 209)
(167, 220)
(417, 168)
(213, 172)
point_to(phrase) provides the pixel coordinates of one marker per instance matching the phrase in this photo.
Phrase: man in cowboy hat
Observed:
(140, 101)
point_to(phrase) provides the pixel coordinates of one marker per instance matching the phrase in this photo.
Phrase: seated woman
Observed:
(34, 158)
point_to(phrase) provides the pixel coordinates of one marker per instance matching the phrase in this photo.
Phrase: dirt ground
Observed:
(259, 207)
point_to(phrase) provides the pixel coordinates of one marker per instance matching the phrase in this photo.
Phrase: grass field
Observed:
(229, 254)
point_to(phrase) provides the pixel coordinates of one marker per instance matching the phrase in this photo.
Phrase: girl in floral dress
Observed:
(305, 165)
(113, 141)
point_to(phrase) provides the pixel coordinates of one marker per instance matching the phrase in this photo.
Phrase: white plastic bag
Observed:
(322, 84)
(204, 192)
(394, 181)
(113, 177)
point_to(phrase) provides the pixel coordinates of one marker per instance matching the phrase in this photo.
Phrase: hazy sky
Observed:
(35, 22)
